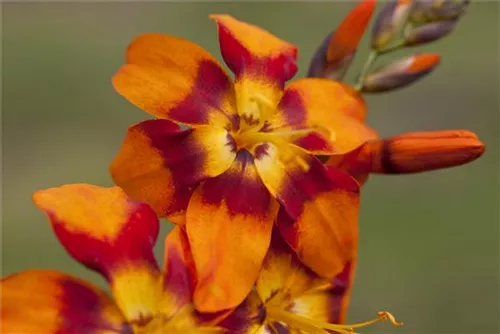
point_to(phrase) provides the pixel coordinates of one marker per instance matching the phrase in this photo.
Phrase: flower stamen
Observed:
(314, 326)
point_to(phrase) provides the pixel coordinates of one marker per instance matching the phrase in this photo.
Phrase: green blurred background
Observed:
(429, 242)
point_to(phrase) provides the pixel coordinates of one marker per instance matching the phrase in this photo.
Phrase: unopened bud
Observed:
(425, 11)
(420, 11)
(389, 21)
(400, 73)
(334, 55)
(429, 32)
(425, 151)
(451, 10)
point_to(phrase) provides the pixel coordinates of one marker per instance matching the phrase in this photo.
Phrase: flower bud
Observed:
(400, 73)
(420, 11)
(425, 151)
(389, 21)
(425, 11)
(429, 32)
(334, 55)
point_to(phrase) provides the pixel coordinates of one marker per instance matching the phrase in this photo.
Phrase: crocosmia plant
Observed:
(259, 172)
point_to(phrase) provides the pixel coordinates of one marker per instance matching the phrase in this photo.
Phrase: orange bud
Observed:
(425, 151)
(389, 21)
(400, 73)
(334, 55)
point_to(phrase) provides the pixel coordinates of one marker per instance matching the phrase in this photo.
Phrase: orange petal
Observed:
(107, 232)
(327, 303)
(425, 151)
(325, 234)
(159, 164)
(327, 106)
(283, 276)
(248, 48)
(172, 78)
(229, 222)
(43, 301)
(319, 213)
(357, 163)
(261, 62)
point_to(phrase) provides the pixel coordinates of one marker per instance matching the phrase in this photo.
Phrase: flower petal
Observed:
(173, 78)
(327, 303)
(261, 62)
(159, 164)
(357, 163)
(283, 276)
(43, 301)
(107, 232)
(325, 105)
(247, 318)
(319, 213)
(229, 222)
(248, 48)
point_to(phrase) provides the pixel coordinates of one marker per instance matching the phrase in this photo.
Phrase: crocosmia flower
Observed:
(290, 298)
(107, 232)
(247, 159)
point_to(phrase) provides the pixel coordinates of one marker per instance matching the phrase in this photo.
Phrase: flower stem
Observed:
(372, 57)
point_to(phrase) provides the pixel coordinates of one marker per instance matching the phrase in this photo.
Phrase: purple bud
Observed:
(400, 73)
(429, 32)
(390, 19)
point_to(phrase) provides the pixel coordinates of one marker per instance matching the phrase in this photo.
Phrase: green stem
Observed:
(372, 57)
(396, 46)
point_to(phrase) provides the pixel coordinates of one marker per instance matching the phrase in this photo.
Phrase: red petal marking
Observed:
(248, 48)
(50, 302)
(159, 164)
(175, 79)
(108, 233)
(316, 144)
(346, 38)
(229, 221)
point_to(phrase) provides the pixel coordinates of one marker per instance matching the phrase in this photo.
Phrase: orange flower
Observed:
(108, 233)
(250, 150)
(290, 298)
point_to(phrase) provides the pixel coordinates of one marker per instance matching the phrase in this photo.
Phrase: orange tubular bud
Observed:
(400, 73)
(425, 151)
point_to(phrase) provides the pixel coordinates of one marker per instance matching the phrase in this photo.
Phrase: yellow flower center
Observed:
(253, 130)
(312, 326)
